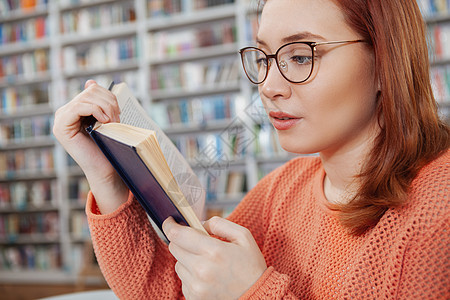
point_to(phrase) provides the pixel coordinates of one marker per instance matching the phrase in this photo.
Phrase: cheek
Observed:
(345, 92)
(338, 109)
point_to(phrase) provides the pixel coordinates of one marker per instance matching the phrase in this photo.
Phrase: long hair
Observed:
(411, 132)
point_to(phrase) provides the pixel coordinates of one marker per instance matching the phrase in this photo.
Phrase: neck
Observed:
(342, 169)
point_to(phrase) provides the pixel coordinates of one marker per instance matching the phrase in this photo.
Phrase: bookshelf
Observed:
(180, 59)
(437, 17)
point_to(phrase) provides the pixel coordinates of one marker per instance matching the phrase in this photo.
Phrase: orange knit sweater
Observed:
(309, 254)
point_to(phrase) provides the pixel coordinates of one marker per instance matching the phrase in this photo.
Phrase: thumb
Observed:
(227, 230)
(89, 83)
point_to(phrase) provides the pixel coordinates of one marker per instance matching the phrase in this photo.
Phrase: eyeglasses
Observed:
(294, 60)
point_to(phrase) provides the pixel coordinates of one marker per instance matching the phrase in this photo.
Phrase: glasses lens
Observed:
(255, 64)
(295, 61)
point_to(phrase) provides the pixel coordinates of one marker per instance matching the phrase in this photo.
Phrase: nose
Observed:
(275, 86)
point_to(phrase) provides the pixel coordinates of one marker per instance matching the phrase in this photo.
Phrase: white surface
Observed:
(89, 295)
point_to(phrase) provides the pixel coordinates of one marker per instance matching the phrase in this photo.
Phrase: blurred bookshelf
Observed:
(180, 58)
(437, 17)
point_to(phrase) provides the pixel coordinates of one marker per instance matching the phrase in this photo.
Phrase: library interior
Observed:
(180, 58)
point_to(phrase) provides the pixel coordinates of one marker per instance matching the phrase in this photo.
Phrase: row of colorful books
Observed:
(76, 85)
(440, 82)
(159, 8)
(200, 4)
(15, 99)
(190, 76)
(30, 257)
(431, 8)
(25, 129)
(215, 150)
(25, 162)
(25, 195)
(27, 65)
(23, 31)
(17, 227)
(223, 148)
(8, 6)
(224, 185)
(105, 54)
(266, 143)
(171, 43)
(84, 21)
(438, 39)
(199, 111)
(79, 228)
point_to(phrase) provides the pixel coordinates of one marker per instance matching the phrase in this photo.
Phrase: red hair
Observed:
(411, 132)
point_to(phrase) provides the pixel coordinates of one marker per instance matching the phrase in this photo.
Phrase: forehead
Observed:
(281, 18)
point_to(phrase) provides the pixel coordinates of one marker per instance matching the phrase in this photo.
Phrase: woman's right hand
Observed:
(106, 185)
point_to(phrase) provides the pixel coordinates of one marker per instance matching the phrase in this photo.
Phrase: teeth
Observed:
(284, 118)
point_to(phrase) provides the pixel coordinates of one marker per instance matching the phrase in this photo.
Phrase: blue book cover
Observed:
(141, 181)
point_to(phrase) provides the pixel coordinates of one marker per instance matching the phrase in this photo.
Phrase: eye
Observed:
(301, 60)
(262, 61)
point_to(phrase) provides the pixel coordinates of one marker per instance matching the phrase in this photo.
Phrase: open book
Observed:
(150, 165)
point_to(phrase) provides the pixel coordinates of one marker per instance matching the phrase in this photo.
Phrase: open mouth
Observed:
(283, 121)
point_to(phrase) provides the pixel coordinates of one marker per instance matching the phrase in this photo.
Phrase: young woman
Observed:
(366, 219)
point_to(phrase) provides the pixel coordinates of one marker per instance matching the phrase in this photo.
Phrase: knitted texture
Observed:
(309, 254)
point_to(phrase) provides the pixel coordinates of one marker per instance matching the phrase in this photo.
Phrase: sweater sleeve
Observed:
(136, 263)
(271, 285)
(426, 264)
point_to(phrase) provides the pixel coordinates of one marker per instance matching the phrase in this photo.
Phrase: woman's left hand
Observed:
(210, 268)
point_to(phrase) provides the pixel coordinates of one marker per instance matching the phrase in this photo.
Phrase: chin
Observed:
(296, 146)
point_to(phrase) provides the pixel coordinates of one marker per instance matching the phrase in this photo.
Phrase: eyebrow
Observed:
(304, 35)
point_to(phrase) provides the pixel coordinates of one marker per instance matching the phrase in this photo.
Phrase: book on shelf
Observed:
(431, 8)
(30, 257)
(149, 163)
(104, 15)
(196, 76)
(25, 6)
(101, 55)
(22, 162)
(29, 65)
(14, 99)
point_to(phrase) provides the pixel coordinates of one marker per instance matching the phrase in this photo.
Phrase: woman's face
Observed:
(334, 110)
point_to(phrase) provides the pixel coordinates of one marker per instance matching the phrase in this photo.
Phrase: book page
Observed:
(132, 113)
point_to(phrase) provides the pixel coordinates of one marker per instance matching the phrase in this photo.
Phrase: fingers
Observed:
(228, 230)
(210, 268)
(94, 100)
(102, 104)
(101, 99)
(186, 237)
(89, 82)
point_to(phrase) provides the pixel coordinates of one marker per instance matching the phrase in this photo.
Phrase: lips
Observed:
(282, 120)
